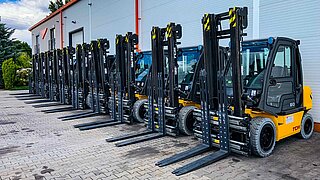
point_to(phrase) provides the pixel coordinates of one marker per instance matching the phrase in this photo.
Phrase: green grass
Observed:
(20, 88)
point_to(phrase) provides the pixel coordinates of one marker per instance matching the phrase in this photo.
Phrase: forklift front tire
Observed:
(186, 120)
(139, 110)
(307, 126)
(263, 136)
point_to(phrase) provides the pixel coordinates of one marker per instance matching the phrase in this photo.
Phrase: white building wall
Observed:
(188, 14)
(54, 22)
(298, 20)
(291, 18)
(111, 17)
(76, 17)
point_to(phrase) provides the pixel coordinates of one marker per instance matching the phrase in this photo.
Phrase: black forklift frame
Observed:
(54, 77)
(44, 81)
(63, 73)
(213, 88)
(32, 78)
(122, 94)
(95, 63)
(155, 85)
(33, 82)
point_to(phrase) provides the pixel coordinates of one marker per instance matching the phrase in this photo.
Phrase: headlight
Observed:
(253, 93)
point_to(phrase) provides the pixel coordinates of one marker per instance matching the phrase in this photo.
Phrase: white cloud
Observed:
(22, 35)
(22, 14)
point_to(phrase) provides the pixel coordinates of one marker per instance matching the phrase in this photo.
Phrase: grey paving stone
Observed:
(35, 144)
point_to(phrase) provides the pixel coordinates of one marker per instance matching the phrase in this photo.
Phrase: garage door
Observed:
(297, 20)
(76, 38)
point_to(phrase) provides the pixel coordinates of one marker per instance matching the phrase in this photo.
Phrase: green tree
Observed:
(22, 47)
(6, 46)
(59, 3)
(11, 48)
(6, 43)
(23, 61)
(55, 5)
(16, 72)
(9, 73)
(52, 6)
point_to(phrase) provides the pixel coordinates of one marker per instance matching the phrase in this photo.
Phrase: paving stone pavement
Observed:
(35, 145)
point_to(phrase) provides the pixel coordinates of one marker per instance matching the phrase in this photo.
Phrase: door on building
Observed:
(76, 37)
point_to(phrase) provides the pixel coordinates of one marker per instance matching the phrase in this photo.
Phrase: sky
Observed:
(22, 14)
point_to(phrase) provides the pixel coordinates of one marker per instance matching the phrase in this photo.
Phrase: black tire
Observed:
(263, 136)
(110, 107)
(307, 126)
(186, 120)
(139, 110)
(89, 101)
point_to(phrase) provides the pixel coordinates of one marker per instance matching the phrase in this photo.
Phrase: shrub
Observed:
(23, 61)
(22, 76)
(9, 73)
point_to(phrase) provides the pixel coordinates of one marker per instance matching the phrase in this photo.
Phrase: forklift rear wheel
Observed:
(139, 110)
(263, 136)
(307, 126)
(186, 120)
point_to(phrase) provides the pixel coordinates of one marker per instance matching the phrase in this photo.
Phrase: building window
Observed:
(37, 45)
(52, 40)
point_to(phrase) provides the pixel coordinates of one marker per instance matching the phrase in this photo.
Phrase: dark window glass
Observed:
(282, 63)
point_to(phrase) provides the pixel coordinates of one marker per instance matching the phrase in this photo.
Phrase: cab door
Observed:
(280, 87)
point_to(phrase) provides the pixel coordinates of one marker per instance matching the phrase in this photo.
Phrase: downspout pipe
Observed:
(90, 20)
(137, 19)
(61, 30)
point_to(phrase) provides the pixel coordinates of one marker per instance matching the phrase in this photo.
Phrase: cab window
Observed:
(282, 63)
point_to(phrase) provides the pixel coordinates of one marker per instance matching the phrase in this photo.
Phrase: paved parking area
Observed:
(35, 145)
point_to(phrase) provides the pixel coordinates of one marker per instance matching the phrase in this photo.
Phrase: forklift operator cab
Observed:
(274, 93)
(142, 67)
(187, 63)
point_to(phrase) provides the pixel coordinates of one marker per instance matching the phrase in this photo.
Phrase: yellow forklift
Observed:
(252, 94)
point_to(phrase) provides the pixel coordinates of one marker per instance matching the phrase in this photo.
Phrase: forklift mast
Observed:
(46, 74)
(95, 76)
(103, 46)
(173, 33)
(50, 74)
(42, 70)
(120, 62)
(85, 72)
(213, 90)
(35, 74)
(55, 75)
(130, 58)
(158, 64)
(65, 75)
(238, 22)
(125, 77)
(78, 75)
(60, 74)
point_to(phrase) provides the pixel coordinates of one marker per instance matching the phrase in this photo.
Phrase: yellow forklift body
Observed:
(189, 103)
(286, 125)
(307, 97)
(139, 96)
